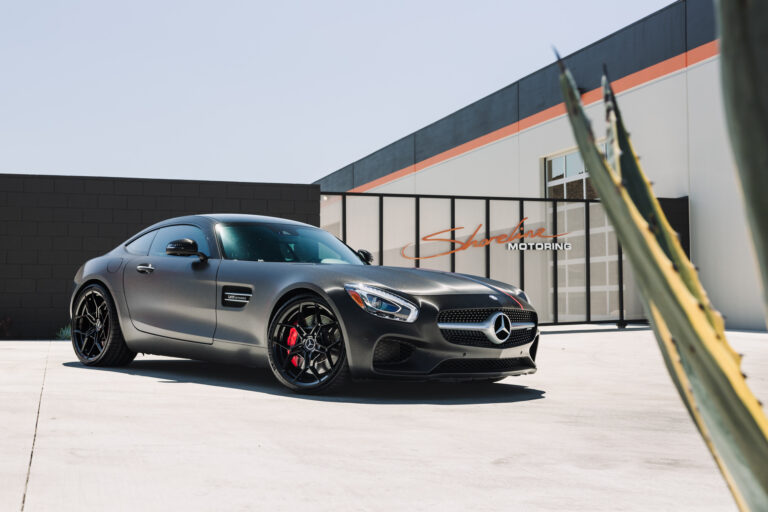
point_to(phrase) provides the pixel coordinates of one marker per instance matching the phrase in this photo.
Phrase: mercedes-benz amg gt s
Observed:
(252, 290)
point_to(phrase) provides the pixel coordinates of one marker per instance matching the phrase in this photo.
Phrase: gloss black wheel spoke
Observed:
(296, 377)
(331, 345)
(316, 318)
(282, 345)
(314, 373)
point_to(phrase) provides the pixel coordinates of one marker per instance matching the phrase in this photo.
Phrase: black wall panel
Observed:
(343, 179)
(50, 225)
(485, 116)
(395, 157)
(700, 22)
(653, 39)
(664, 34)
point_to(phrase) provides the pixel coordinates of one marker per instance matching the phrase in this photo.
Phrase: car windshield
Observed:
(285, 243)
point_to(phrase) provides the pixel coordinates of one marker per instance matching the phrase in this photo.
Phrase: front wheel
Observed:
(306, 346)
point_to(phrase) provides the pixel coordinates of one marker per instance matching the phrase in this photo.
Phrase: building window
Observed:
(567, 177)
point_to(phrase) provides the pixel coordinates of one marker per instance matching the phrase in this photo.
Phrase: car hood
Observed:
(415, 281)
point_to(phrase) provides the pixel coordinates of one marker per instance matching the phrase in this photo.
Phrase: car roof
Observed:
(214, 218)
(242, 217)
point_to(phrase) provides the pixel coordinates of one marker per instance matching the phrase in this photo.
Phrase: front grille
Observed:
(478, 338)
(482, 365)
(477, 315)
(391, 351)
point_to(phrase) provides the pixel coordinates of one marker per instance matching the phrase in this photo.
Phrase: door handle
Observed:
(145, 268)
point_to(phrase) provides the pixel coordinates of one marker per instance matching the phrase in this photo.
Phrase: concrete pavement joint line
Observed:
(34, 436)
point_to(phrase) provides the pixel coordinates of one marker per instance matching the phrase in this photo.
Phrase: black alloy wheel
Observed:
(96, 335)
(306, 346)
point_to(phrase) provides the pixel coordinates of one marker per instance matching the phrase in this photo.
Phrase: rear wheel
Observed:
(96, 335)
(306, 347)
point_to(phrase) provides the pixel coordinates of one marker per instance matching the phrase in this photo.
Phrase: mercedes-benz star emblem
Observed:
(502, 327)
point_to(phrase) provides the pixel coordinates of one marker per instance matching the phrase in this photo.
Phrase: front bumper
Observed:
(424, 352)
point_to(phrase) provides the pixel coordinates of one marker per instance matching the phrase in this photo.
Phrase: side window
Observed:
(171, 233)
(141, 245)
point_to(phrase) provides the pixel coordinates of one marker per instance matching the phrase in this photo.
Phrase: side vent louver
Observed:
(235, 296)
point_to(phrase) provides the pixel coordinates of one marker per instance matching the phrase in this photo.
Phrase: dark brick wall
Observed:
(50, 225)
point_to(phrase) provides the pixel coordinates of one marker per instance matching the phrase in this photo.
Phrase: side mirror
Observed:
(184, 247)
(366, 256)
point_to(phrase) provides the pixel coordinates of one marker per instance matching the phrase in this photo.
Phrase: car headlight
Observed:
(382, 303)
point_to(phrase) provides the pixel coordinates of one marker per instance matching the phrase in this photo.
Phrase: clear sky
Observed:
(280, 91)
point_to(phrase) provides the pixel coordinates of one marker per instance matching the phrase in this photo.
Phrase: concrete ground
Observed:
(600, 427)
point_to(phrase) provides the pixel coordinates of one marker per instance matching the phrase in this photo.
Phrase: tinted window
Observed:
(141, 245)
(171, 233)
(283, 243)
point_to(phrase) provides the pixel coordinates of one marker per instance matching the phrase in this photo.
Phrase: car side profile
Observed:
(257, 291)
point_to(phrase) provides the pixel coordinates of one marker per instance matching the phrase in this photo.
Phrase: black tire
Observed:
(96, 335)
(306, 346)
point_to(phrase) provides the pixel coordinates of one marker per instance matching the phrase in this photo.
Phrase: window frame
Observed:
(202, 230)
(564, 179)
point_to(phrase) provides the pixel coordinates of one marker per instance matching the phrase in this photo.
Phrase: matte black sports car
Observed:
(248, 289)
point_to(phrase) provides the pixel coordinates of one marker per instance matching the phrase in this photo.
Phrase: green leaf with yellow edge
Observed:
(700, 361)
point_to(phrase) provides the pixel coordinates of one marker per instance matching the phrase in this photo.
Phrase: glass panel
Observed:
(556, 192)
(538, 264)
(612, 245)
(435, 217)
(330, 214)
(505, 264)
(598, 275)
(363, 224)
(573, 164)
(599, 305)
(556, 167)
(633, 306)
(600, 265)
(399, 230)
(470, 216)
(576, 307)
(574, 189)
(141, 245)
(571, 277)
(591, 192)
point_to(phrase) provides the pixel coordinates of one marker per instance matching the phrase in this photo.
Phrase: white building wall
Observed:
(720, 241)
(678, 129)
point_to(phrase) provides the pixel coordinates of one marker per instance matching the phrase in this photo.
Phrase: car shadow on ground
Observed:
(181, 371)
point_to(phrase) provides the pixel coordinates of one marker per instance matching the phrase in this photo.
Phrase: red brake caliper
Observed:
(293, 335)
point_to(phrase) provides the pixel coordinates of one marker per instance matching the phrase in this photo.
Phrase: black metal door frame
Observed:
(621, 321)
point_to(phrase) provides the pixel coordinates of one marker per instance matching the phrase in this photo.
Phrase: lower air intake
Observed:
(391, 351)
(483, 365)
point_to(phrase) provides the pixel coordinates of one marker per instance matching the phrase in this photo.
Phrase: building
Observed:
(517, 143)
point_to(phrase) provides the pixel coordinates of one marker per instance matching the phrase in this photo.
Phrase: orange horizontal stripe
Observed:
(625, 83)
(702, 52)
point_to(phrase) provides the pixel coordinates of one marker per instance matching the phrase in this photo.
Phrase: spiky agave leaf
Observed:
(627, 166)
(703, 366)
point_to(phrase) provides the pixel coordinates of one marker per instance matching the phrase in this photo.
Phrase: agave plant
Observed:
(690, 332)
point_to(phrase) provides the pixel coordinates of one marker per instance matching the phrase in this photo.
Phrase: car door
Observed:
(173, 296)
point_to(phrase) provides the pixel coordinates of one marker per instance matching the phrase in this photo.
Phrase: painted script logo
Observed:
(516, 237)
